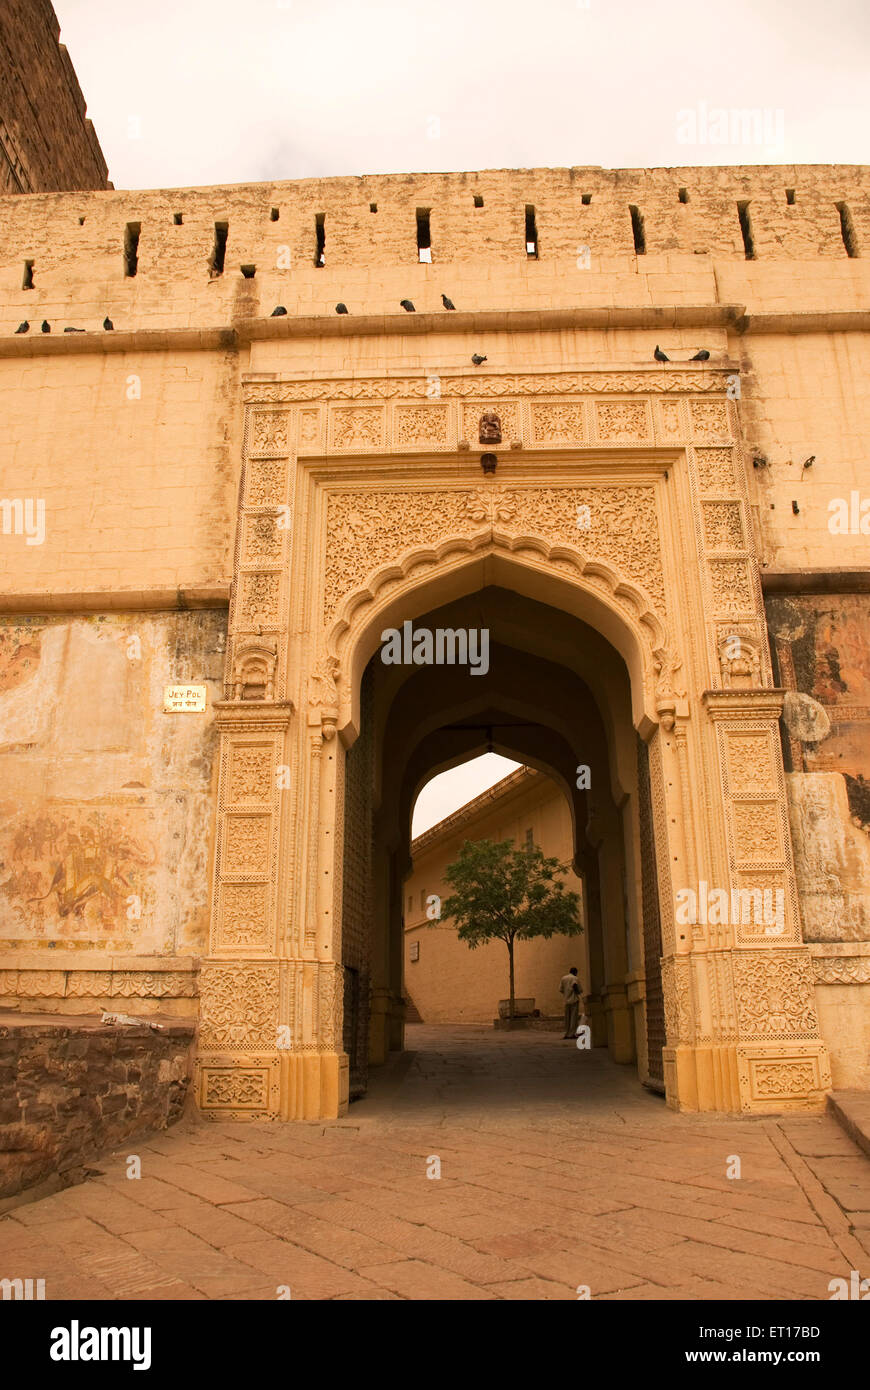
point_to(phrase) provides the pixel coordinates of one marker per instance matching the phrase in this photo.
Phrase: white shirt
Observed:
(566, 986)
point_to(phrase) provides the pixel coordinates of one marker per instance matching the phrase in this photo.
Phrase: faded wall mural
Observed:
(105, 800)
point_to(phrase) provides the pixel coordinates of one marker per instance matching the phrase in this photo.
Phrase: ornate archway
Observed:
(620, 498)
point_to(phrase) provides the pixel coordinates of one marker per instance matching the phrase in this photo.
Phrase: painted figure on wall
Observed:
(88, 873)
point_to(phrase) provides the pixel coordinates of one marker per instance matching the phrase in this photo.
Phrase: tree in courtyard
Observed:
(507, 893)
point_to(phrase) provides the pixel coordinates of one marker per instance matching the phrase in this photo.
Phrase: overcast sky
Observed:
(212, 91)
(450, 790)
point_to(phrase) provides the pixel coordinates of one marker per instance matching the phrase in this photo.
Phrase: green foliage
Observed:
(507, 893)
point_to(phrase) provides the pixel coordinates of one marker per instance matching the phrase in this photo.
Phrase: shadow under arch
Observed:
(404, 715)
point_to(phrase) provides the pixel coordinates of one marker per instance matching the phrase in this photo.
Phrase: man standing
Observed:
(569, 987)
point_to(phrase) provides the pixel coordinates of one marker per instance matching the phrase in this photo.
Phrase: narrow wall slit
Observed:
(746, 231)
(424, 236)
(27, 281)
(531, 233)
(638, 231)
(131, 248)
(219, 250)
(847, 229)
(320, 239)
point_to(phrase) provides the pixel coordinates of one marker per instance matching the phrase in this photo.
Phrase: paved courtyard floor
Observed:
(558, 1171)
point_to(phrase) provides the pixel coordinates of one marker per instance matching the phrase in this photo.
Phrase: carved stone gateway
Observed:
(639, 518)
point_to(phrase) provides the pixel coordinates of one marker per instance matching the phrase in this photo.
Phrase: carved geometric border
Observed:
(633, 382)
(841, 970)
(782, 1078)
(232, 1088)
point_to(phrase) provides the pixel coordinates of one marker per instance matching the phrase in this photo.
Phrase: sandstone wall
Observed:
(132, 458)
(46, 140)
(165, 461)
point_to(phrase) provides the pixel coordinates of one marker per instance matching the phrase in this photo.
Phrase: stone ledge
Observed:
(36, 1025)
(48, 959)
(78, 602)
(829, 581)
(852, 1110)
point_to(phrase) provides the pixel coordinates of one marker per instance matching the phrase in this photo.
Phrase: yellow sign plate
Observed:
(184, 699)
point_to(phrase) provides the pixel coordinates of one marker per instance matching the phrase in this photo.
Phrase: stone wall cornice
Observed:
(726, 704)
(232, 337)
(82, 602)
(804, 581)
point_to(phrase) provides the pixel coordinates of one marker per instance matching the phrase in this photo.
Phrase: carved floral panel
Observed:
(265, 482)
(246, 845)
(774, 992)
(239, 1007)
(715, 469)
(731, 586)
(709, 421)
(263, 537)
(269, 432)
(260, 593)
(421, 425)
(723, 525)
(757, 833)
(237, 1088)
(250, 773)
(242, 920)
(619, 525)
(622, 421)
(357, 427)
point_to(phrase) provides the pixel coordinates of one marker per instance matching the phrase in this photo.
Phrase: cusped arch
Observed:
(561, 577)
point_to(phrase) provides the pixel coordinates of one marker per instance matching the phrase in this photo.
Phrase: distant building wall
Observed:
(449, 981)
(47, 143)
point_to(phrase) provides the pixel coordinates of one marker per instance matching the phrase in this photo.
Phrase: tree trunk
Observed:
(510, 947)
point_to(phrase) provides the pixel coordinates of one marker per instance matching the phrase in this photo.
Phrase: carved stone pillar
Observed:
(605, 830)
(272, 985)
(741, 1021)
(237, 1065)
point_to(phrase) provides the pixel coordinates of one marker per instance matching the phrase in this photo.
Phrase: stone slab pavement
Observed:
(558, 1172)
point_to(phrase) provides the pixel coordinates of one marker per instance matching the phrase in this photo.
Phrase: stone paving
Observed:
(558, 1170)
